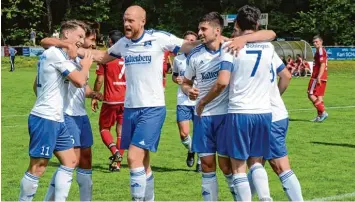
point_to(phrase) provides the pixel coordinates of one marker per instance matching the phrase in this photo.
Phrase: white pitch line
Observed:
(173, 110)
(336, 197)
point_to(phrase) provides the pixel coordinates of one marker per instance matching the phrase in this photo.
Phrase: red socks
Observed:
(108, 141)
(319, 106)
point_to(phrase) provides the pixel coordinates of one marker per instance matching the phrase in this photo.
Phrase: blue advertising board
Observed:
(339, 53)
(26, 51)
(34, 51)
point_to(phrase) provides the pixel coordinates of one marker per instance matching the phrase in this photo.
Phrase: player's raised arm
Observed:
(79, 78)
(71, 48)
(239, 42)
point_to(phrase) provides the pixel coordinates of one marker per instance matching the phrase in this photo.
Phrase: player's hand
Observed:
(235, 45)
(97, 95)
(179, 80)
(87, 60)
(193, 93)
(200, 107)
(94, 105)
(225, 39)
(319, 81)
(72, 51)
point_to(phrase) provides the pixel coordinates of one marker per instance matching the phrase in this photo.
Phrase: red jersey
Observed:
(319, 58)
(290, 62)
(114, 81)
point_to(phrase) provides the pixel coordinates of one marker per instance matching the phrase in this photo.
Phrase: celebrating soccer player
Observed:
(48, 132)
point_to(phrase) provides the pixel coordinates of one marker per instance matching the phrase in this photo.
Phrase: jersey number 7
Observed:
(258, 53)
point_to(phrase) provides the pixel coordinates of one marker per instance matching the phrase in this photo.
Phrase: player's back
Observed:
(51, 89)
(249, 90)
(114, 81)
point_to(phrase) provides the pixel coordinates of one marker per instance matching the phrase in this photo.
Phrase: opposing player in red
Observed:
(290, 64)
(166, 66)
(318, 82)
(113, 77)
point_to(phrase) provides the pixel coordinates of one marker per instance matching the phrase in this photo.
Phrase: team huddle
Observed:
(229, 88)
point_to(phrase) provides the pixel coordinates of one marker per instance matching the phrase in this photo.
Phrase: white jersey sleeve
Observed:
(116, 49)
(167, 41)
(175, 66)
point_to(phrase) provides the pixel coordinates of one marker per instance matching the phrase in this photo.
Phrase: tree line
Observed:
(334, 20)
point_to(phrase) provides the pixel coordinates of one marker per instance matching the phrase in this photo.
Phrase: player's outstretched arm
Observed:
(239, 42)
(187, 46)
(221, 83)
(284, 81)
(79, 78)
(98, 55)
(71, 48)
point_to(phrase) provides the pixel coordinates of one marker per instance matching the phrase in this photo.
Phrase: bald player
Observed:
(144, 106)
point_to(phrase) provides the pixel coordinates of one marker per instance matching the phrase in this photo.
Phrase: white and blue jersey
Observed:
(144, 100)
(46, 126)
(144, 66)
(279, 125)
(75, 116)
(204, 65)
(249, 108)
(185, 108)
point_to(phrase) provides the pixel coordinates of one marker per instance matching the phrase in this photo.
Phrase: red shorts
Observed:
(316, 89)
(110, 114)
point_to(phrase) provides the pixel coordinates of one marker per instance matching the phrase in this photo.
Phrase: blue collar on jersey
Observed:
(211, 51)
(140, 38)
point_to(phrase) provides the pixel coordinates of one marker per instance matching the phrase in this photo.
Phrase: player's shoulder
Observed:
(180, 57)
(55, 54)
(158, 33)
(196, 52)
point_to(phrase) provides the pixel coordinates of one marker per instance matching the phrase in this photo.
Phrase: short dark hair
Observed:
(317, 37)
(92, 28)
(190, 33)
(115, 35)
(298, 55)
(72, 24)
(213, 18)
(248, 18)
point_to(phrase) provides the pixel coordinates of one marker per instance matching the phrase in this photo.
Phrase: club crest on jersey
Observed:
(126, 45)
(137, 59)
(148, 44)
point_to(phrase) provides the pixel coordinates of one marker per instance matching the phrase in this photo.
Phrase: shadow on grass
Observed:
(104, 168)
(299, 120)
(335, 144)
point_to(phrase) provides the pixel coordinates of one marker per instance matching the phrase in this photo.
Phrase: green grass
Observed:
(321, 154)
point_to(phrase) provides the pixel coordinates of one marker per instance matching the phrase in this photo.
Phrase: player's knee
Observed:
(208, 166)
(38, 168)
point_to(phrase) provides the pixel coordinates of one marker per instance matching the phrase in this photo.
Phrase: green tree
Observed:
(333, 19)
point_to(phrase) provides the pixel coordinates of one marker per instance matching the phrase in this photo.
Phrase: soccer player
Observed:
(318, 82)
(298, 65)
(185, 107)
(249, 108)
(279, 158)
(112, 74)
(166, 66)
(203, 65)
(77, 121)
(290, 64)
(48, 133)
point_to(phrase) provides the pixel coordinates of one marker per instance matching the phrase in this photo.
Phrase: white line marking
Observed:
(336, 197)
(173, 110)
